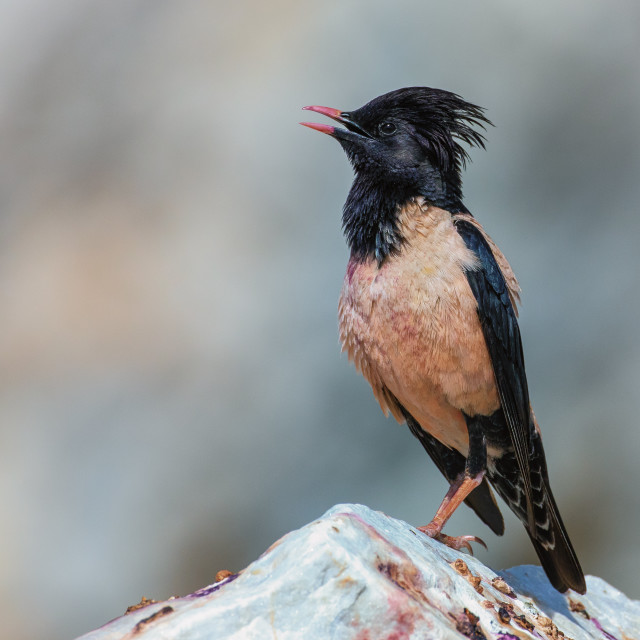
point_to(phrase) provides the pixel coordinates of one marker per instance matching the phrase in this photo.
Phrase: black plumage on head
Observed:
(403, 144)
(442, 120)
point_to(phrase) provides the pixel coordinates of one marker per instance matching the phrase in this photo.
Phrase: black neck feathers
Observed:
(370, 214)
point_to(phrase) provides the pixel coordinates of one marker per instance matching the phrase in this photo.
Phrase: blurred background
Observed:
(173, 399)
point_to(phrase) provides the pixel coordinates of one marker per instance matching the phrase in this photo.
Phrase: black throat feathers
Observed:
(370, 214)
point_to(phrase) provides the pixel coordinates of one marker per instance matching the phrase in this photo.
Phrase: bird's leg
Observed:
(457, 493)
(463, 485)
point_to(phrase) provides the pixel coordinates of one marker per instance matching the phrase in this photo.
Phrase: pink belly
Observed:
(415, 335)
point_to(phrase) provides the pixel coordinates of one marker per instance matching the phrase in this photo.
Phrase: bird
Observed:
(428, 313)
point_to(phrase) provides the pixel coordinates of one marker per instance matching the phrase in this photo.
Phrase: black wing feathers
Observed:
(521, 472)
(502, 335)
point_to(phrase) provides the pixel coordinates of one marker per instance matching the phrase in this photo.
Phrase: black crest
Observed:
(441, 119)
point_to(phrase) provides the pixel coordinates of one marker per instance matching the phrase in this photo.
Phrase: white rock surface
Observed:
(358, 574)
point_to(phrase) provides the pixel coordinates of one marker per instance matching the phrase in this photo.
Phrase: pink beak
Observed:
(335, 114)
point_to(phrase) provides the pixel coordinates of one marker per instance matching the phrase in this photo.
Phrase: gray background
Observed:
(173, 399)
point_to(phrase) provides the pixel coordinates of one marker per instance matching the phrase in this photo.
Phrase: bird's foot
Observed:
(454, 542)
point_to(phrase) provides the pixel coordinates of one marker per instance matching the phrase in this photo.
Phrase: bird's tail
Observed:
(550, 538)
(548, 534)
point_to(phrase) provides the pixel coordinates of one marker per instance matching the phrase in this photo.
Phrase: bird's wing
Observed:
(502, 336)
(451, 464)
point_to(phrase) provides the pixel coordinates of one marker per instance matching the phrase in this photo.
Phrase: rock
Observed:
(358, 574)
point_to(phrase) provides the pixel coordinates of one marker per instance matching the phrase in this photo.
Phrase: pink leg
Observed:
(456, 495)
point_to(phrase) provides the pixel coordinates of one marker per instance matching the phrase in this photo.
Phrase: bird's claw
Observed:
(453, 542)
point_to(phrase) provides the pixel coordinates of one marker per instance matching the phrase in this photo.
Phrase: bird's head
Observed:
(408, 136)
(403, 144)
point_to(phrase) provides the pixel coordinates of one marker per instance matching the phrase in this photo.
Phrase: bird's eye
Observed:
(387, 128)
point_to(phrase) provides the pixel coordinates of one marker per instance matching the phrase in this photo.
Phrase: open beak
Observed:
(343, 117)
(335, 114)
